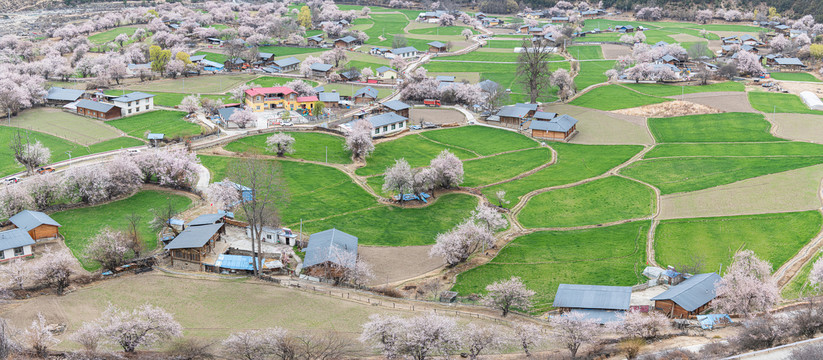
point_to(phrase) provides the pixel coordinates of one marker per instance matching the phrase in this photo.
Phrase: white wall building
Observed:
(134, 103)
(15, 243)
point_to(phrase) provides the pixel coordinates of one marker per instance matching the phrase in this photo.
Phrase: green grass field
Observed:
(673, 90)
(585, 52)
(799, 285)
(592, 72)
(794, 76)
(786, 148)
(724, 127)
(79, 129)
(441, 30)
(613, 255)
(674, 175)
(415, 149)
(504, 166)
(614, 97)
(574, 163)
(307, 145)
(79, 225)
(113, 144)
(504, 44)
(219, 84)
(286, 51)
(773, 237)
(170, 123)
(782, 103)
(213, 56)
(173, 99)
(481, 139)
(109, 35)
(489, 56)
(598, 202)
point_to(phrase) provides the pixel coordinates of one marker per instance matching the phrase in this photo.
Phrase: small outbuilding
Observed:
(288, 64)
(15, 243)
(512, 115)
(437, 47)
(329, 252)
(559, 128)
(688, 298)
(97, 109)
(365, 95)
(194, 243)
(346, 42)
(61, 96)
(398, 107)
(597, 302)
(37, 224)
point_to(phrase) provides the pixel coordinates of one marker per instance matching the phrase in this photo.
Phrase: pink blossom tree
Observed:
(507, 294)
(802, 40)
(562, 80)
(573, 330)
(359, 139)
(14, 199)
(466, 33)
(478, 338)
(704, 16)
(190, 104)
(649, 13)
(749, 63)
(223, 194)
(816, 274)
(301, 87)
(399, 178)
(280, 143)
(108, 247)
(446, 20)
(124, 176)
(55, 269)
(747, 287)
(385, 333)
(258, 344)
(779, 44)
(335, 56)
(87, 184)
(29, 154)
(39, 336)
(528, 336)
(398, 63)
(642, 325)
(424, 180)
(459, 243)
(16, 273)
(428, 335)
(243, 118)
(143, 326)
(449, 169)
(45, 190)
(367, 73)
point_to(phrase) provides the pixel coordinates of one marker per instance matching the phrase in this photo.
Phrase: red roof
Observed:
(307, 98)
(269, 90)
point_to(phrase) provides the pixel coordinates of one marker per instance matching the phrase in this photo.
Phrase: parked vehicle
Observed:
(133, 151)
(288, 123)
(12, 180)
(428, 125)
(415, 127)
(431, 102)
(44, 170)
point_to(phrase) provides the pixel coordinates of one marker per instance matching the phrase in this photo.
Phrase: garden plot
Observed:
(72, 127)
(614, 97)
(598, 202)
(396, 263)
(170, 123)
(603, 256)
(764, 194)
(726, 127)
(727, 101)
(601, 127)
(614, 51)
(801, 127)
(781, 103)
(307, 145)
(503, 167)
(493, 140)
(674, 91)
(773, 237)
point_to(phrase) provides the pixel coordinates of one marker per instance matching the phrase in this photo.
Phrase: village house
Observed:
(407, 52)
(276, 235)
(559, 128)
(346, 42)
(37, 224)
(398, 107)
(531, 107)
(134, 102)
(591, 14)
(196, 59)
(559, 19)
(315, 40)
(236, 64)
(430, 16)
(365, 95)
(596, 302)
(288, 64)
(15, 243)
(793, 64)
(329, 99)
(510, 115)
(98, 110)
(191, 246)
(329, 252)
(480, 16)
(624, 28)
(263, 59)
(523, 29)
(544, 116)
(320, 70)
(387, 123)
(437, 47)
(306, 102)
(688, 298)
(386, 73)
(269, 98)
(488, 22)
(214, 41)
(61, 96)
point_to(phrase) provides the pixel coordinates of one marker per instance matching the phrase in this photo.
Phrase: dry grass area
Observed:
(760, 195)
(614, 51)
(669, 109)
(686, 38)
(396, 263)
(802, 127)
(436, 116)
(728, 101)
(602, 127)
(798, 87)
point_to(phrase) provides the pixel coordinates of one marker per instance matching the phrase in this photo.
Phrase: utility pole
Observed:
(69, 153)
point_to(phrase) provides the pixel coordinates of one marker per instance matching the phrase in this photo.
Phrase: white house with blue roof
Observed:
(134, 102)
(15, 243)
(387, 123)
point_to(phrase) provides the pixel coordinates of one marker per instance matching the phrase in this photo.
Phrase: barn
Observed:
(597, 302)
(688, 298)
(559, 128)
(193, 244)
(98, 110)
(328, 252)
(37, 224)
(437, 47)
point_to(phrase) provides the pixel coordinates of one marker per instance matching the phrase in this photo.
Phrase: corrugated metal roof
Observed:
(95, 105)
(385, 119)
(225, 113)
(513, 111)
(329, 96)
(404, 50)
(788, 61)
(600, 316)
(205, 219)
(437, 44)
(194, 237)
(593, 297)
(562, 123)
(153, 136)
(321, 67)
(531, 107)
(383, 69)
(195, 58)
(61, 94)
(14, 238)
(692, 293)
(207, 62)
(137, 95)
(347, 39)
(396, 105)
(235, 262)
(322, 246)
(28, 220)
(367, 91)
(289, 61)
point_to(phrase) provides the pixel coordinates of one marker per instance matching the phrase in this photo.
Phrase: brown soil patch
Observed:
(669, 109)
(803, 127)
(602, 127)
(715, 45)
(436, 116)
(760, 195)
(614, 51)
(796, 88)
(729, 101)
(396, 263)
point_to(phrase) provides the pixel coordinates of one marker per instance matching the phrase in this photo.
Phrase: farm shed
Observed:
(545, 116)
(197, 58)
(387, 123)
(330, 99)
(320, 69)
(209, 65)
(15, 243)
(61, 96)
(346, 42)
(386, 73)
(559, 128)
(192, 245)
(350, 75)
(225, 113)
(264, 58)
(398, 107)
(98, 110)
(206, 219)
(365, 95)
(811, 100)
(512, 115)
(445, 78)
(789, 63)
(437, 47)
(286, 65)
(690, 297)
(315, 40)
(240, 264)
(597, 302)
(328, 251)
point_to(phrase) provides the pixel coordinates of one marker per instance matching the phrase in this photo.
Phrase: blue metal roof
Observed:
(28, 220)
(593, 297)
(153, 136)
(61, 94)
(386, 119)
(137, 95)
(235, 262)
(14, 238)
(323, 244)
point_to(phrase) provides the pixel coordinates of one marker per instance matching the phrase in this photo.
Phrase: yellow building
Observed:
(278, 97)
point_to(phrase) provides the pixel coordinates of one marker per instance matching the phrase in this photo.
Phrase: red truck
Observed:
(431, 102)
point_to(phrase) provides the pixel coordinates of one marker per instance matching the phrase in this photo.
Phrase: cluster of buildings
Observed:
(732, 45)
(26, 228)
(99, 105)
(285, 98)
(538, 124)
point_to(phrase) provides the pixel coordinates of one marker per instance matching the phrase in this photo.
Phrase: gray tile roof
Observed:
(789, 61)
(225, 113)
(542, 115)
(205, 219)
(367, 91)
(14, 238)
(137, 95)
(194, 237)
(61, 94)
(562, 123)
(446, 78)
(28, 220)
(531, 107)
(329, 96)
(351, 74)
(317, 38)
(396, 105)
(403, 50)
(265, 55)
(321, 67)
(347, 39)
(195, 58)
(322, 247)
(437, 44)
(593, 297)
(94, 105)
(289, 61)
(383, 69)
(385, 119)
(692, 293)
(513, 111)
(668, 58)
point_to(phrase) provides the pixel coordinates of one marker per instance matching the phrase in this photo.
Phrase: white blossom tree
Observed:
(39, 338)
(500, 197)
(747, 287)
(478, 338)
(243, 118)
(359, 139)
(449, 169)
(399, 177)
(16, 273)
(280, 143)
(466, 33)
(459, 243)
(428, 335)
(385, 333)
(574, 330)
(642, 325)
(507, 294)
(258, 344)
(109, 248)
(562, 80)
(489, 218)
(142, 326)
(55, 269)
(190, 104)
(88, 336)
(223, 194)
(528, 336)
(816, 275)
(45, 190)
(29, 154)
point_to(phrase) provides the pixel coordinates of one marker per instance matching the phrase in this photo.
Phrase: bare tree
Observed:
(326, 345)
(7, 344)
(31, 155)
(264, 180)
(533, 68)
(163, 217)
(133, 237)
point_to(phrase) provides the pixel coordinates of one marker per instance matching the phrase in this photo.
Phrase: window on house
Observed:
(18, 251)
(147, 107)
(402, 124)
(385, 128)
(377, 131)
(393, 126)
(2, 254)
(129, 111)
(268, 236)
